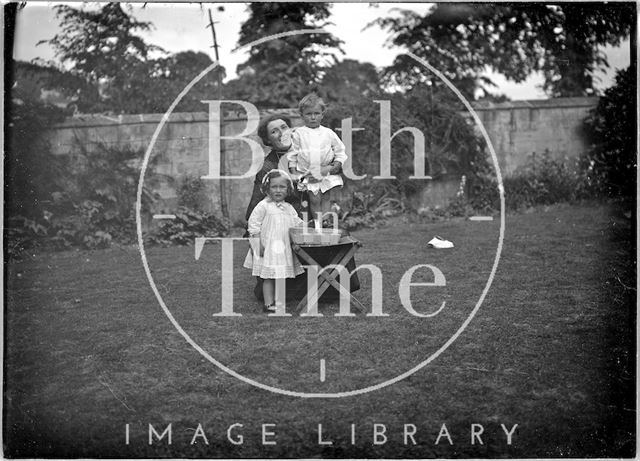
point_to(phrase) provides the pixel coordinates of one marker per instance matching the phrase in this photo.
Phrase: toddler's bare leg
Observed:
(280, 289)
(268, 291)
(325, 205)
(315, 204)
(326, 201)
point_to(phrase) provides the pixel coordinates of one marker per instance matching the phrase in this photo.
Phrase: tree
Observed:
(280, 71)
(349, 79)
(612, 160)
(101, 46)
(168, 76)
(49, 84)
(562, 41)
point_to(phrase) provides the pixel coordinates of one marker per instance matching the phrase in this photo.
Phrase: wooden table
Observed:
(340, 254)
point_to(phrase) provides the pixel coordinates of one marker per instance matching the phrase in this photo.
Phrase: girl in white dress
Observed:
(317, 155)
(271, 256)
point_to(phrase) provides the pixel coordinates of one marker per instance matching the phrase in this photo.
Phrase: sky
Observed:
(181, 27)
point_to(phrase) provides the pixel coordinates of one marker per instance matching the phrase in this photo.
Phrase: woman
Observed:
(275, 132)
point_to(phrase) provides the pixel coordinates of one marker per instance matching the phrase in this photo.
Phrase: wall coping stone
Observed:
(537, 103)
(95, 120)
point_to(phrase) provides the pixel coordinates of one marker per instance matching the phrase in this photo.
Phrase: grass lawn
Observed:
(88, 350)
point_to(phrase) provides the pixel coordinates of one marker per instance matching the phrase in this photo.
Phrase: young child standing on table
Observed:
(317, 155)
(271, 256)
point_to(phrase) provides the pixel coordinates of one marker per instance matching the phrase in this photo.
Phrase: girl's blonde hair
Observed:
(311, 100)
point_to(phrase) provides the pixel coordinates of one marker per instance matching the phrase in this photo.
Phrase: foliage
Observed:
(353, 91)
(21, 234)
(543, 180)
(117, 68)
(97, 203)
(91, 205)
(188, 225)
(30, 170)
(191, 220)
(84, 199)
(48, 84)
(102, 47)
(562, 41)
(280, 71)
(611, 162)
(349, 80)
(367, 210)
(459, 205)
(192, 193)
(450, 142)
(168, 76)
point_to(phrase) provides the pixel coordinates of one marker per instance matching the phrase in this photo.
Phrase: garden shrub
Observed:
(482, 192)
(21, 234)
(192, 193)
(372, 202)
(359, 214)
(610, 164)
(89, 205)
(543, 180)
(191, 220)
(31, 171)
(186, 227)
(96, 205)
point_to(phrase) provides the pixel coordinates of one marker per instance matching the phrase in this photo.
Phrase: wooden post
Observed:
(223, 158)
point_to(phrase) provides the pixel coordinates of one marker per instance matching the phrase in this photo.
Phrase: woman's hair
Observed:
(311, 100)
(266, 181)
(262, 127)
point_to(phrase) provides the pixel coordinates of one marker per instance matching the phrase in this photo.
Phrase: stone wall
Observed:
(517, 130)
(181, 148)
